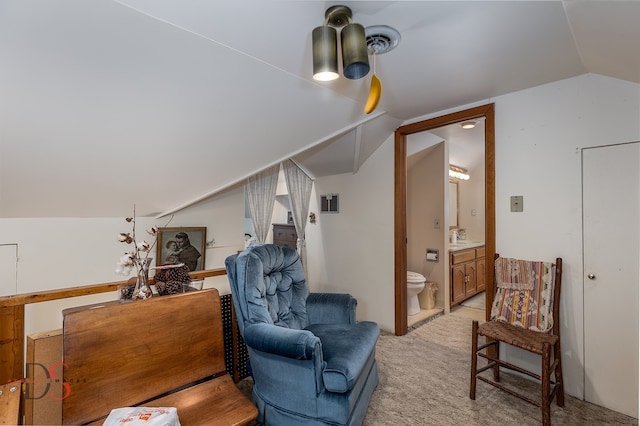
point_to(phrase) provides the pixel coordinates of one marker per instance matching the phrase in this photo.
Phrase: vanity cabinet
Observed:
(284, 234)
(467, 273)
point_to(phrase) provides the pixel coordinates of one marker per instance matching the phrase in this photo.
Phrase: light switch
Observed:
(516, 203)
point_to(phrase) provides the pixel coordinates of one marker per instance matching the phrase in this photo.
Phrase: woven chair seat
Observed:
(532, 341)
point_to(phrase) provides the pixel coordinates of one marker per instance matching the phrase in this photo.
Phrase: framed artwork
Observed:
(182, 245)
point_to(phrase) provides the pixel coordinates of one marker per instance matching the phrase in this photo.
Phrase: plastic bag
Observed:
(147, 416)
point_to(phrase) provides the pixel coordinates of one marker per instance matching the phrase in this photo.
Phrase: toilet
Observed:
(415, 284)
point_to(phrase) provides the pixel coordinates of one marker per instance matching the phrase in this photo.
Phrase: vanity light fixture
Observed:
(458, 173)
(468, 124)
(355, 58)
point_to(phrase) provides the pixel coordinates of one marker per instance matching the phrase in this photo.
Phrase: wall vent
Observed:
(329, 203)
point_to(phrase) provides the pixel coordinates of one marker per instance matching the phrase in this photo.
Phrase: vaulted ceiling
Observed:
(162, 103)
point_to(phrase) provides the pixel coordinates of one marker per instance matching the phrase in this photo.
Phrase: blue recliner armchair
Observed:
(311, 363)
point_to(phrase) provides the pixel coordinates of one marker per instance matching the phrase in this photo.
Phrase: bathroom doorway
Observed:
(485, 112)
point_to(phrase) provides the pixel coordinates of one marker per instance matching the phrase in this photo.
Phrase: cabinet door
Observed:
(470, 269)
(458, 279)
(480, 275)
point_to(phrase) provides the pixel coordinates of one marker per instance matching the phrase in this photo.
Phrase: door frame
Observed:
(400, 202)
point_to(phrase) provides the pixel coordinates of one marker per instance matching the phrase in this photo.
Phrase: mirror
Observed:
(454, 204)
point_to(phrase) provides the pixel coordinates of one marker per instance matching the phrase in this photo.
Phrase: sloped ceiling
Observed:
(161, 103)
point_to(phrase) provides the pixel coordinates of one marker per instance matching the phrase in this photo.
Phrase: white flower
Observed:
(125, 238)
(125, 264)
(123, 269)
(136, 258)
(127, 259)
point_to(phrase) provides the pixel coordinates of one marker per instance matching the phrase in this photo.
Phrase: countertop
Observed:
(463, 245)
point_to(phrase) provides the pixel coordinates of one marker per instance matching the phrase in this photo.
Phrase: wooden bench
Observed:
(10, 403)
(163, 352)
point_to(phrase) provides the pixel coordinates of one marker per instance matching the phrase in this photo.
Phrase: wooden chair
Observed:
(10, 403)
(538, 333)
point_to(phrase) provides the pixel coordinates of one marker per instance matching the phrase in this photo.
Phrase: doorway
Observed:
(400, 201)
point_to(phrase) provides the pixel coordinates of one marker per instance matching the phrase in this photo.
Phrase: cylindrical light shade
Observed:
(355, 57)
(325, 53)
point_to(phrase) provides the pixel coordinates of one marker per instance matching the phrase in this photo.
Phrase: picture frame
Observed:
(173, 247)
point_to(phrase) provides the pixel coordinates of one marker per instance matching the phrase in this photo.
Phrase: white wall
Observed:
(58, 253)
(352, 251)
(426, 186)
(539, 133)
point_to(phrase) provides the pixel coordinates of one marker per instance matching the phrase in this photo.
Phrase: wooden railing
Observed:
(12, 318)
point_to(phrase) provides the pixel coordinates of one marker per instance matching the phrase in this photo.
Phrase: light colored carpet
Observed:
(476, 302)
(424, 380)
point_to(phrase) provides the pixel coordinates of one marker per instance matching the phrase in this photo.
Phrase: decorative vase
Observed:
(142, 290)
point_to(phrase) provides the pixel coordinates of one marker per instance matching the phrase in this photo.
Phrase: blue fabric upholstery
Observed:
(312, 364)
(329, 308)
(347, 349)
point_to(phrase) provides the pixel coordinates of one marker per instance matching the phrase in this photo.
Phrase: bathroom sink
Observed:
(462, 244)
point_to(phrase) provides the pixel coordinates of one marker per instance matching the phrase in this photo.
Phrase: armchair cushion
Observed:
(348, 350)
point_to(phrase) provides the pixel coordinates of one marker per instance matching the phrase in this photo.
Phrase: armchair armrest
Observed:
(331, 308)
(287, 342)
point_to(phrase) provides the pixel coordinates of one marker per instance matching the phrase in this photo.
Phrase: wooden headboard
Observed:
(123, 354)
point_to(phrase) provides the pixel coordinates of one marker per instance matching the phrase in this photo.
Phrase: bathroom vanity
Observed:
(467, 263)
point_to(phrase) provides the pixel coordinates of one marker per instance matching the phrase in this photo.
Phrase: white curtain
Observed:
(260, 193)
(299, 187)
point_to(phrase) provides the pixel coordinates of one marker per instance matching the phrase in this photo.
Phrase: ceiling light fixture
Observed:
(468, 124)
(458, 172)
(324, 38)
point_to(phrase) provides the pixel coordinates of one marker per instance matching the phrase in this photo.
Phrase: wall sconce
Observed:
(458, 173)
(355, 58)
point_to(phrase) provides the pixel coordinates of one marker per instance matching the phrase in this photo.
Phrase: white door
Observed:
(8, 264)
(611, 185)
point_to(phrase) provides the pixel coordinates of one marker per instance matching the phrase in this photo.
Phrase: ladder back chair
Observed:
(525, 313)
